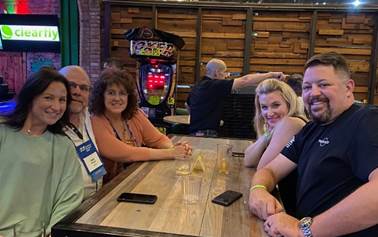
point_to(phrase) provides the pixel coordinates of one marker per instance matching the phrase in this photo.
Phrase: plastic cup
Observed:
(192, 185)
(183, 166)
(224, 153)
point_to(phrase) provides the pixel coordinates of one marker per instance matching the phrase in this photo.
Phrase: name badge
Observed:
(89, 157)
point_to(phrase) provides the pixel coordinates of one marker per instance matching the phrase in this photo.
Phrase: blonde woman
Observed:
(277, 120)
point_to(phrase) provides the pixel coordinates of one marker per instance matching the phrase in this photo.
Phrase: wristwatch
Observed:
(304, 225)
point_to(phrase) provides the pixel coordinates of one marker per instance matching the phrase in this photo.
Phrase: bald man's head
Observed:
(80, 87)
(216, 69)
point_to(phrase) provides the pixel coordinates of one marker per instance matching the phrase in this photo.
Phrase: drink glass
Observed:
(182, 165)
(224, 152)
(192, 185)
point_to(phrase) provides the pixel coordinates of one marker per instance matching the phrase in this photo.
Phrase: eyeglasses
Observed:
(82, 87)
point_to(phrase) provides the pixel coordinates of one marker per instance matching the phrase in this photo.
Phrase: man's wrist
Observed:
(300, 233)
(304, 226)
(257, 186)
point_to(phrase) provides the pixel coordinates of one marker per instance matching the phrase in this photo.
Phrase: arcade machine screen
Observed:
(156, 80)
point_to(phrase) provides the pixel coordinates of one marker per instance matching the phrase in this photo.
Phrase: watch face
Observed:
(305, 222)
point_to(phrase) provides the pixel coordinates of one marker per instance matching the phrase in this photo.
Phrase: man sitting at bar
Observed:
(79, 130)
(336, 156)
(206, 99)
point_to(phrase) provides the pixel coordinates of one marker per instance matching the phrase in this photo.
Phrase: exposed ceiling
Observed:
(300, 2)
(287, 1)
(312, 1)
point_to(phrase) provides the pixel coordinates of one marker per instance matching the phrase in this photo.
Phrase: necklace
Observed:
(126, 135)
(30, 133)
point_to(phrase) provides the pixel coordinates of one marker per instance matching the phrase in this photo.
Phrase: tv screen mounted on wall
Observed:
(37, 33)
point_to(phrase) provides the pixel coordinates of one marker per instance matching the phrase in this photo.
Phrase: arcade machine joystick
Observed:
(156, 53)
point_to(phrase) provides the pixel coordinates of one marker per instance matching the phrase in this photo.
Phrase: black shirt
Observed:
(206, 103)
(334, 160)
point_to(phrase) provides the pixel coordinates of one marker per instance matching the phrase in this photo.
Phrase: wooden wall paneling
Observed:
(154, 16)
(124, 18)
(277, 61)
(278, 55)
(181, 22)
(360, 78)
(224, 37)
(355, 51)
(330, 32)
(235, 44)
(247, 41)
(373, 63)
(358, 66)
(360, 39)
(280, 39)
(198, 45)
(287, 69)
(106, 28)
(348, 34)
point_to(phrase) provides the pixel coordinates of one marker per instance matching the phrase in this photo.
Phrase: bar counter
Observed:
(102, 215)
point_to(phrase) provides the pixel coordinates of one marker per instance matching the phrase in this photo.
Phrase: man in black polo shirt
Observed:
(336, 156)
(206, 99)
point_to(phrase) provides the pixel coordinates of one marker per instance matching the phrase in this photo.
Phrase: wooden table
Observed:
(170, 215)
(177, 119)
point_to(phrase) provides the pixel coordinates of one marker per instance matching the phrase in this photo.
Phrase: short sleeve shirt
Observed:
(333, 160)
(206, 102)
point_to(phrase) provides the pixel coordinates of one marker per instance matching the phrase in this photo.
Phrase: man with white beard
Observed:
(80, 129)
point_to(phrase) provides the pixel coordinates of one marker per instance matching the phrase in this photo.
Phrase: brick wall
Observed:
(90, 49)
(31, 6)
(89, 56)
(17, 66)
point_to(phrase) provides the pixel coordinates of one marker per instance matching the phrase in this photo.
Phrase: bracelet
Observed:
(267, 135)
(257, 186)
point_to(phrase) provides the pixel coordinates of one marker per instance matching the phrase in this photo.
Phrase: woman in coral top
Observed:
(122, 131)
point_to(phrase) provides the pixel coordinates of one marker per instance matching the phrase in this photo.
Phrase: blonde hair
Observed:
(269, 86)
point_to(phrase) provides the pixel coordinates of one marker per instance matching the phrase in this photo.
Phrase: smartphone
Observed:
(238, 154)
(227, 198)
(137, 198)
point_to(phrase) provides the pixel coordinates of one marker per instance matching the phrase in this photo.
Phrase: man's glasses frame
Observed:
(82, 87)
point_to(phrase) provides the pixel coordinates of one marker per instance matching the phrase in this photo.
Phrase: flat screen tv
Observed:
(37, 33)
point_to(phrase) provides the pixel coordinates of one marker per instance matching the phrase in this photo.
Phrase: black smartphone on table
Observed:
(227, 198)
(238, 154)
(137, 198)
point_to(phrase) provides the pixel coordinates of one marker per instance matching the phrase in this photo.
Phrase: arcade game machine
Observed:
(7, 105)
(156, 53)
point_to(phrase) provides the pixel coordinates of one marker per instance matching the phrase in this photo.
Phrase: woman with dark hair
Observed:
(40, 177)
(121, 129)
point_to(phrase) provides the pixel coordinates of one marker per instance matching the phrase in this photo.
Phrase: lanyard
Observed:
(87, 152)
(76, 130)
